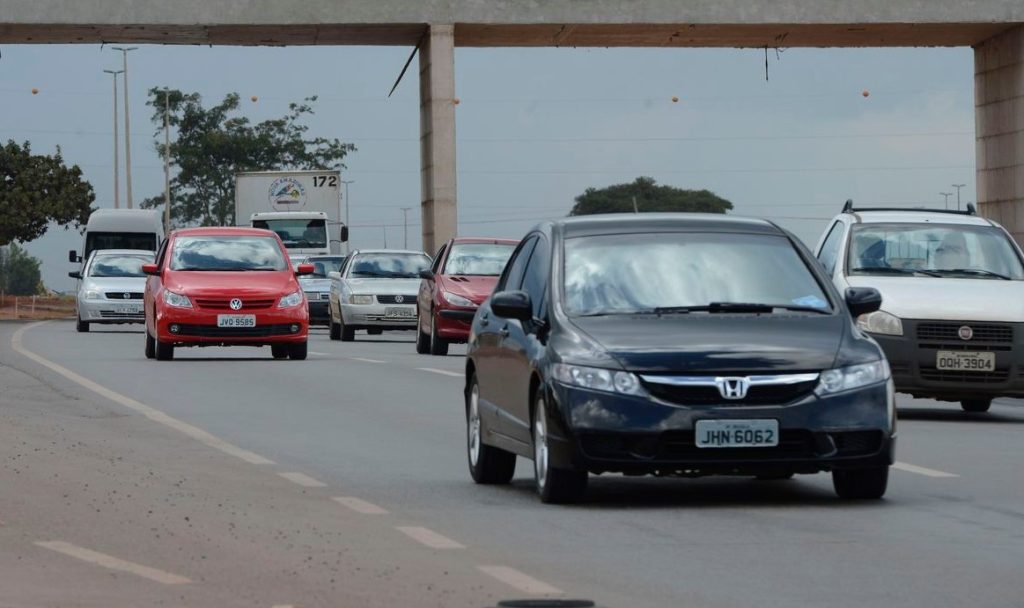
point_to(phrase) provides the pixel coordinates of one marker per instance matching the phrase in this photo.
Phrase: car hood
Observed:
(215, 284)
(315, 284)
(952, 299)
(703, 343)
(384, 286)
(474, 288)
(105, 284)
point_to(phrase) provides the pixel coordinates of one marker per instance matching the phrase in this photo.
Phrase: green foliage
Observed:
(212, 144)
(36, 190)
(649, 197)
(19, 272)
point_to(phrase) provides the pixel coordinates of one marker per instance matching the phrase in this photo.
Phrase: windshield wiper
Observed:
(972, 271)
(715, 307)
(887, 270)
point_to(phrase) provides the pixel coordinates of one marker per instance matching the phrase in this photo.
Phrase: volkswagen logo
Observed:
(399, 299)
(235, 304)
(733, 388)
(126, 296)
(965, 332)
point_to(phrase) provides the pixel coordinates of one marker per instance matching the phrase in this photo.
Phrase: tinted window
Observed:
(118, 265)
(212, 253)
(640, 272)
(388, 265)
(297, 233)
(830, 248)
(513, 275)
(119, 240)
(479, 259)
(327, 263)
(535, 280)
(436, 267)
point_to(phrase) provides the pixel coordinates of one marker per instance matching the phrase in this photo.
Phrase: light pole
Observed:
(117, 176)
(958, 186)
(167, 161)
(947, 195)
(405, 227)
(348, 248)
(127, 127)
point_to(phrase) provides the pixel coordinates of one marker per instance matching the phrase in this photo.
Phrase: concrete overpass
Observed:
(994, 28)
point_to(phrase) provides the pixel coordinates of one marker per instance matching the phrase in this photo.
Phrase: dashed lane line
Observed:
(360, 506)
(520, 581)
(149, 412)
(365, 360)
(442, 372)
(428, 537)
(319, 354)
(913, 468)
(113, 563)
(303, 480)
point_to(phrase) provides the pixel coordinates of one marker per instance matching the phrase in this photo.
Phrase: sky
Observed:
(536, 127)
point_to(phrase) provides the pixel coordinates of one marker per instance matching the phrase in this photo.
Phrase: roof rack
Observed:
(849, 208)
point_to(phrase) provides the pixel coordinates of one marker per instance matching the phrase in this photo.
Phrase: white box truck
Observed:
(302, 207)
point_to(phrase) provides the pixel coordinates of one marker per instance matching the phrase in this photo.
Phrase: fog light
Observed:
(295, 329)
(174, 329)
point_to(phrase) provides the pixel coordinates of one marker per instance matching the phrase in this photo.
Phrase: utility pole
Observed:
(947, 195)
(958, 186)
(167, 161)
(405, 227)
(127, 126)
(117, 175)
(348, 248)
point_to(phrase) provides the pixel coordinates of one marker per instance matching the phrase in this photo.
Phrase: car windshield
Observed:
(119, 265)
(297, 233)
(678, 272)
(933, 250)
(481, 259)
(227, 253)
(389, 265)
(324, 265)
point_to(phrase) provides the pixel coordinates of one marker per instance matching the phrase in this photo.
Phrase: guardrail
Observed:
(36, 307)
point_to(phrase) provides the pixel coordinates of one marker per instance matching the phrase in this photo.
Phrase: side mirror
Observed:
(75, 275)
(150, 269)
(427, 274)
(512, 305)
(344, 234)
(73, 257)
(304, 269)
(334, 276)
(863, 300)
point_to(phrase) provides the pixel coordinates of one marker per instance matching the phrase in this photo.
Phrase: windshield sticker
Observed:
(811, 302)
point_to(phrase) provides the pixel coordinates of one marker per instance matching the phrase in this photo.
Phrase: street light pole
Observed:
(127, 127)
(958, 186)
(117, 175)
(947, 195)
(167, 161)
(348, 248)
(405, 227)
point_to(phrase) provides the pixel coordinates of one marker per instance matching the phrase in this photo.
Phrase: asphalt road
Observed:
(383, 428)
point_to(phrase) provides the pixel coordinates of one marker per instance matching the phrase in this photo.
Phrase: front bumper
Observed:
(319, 309)
(110, 311)
(602, 432)
(912, 358)
(376, 316)
(454, 324)
(198, 327)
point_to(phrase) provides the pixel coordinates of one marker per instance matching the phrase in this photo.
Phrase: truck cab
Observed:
(303, 232)
(141, 229)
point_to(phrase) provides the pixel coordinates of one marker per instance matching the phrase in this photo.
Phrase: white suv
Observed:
(952, 284)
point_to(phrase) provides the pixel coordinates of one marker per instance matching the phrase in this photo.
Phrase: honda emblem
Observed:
(733, 388)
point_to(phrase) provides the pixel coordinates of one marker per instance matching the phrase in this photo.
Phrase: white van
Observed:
(120, 229)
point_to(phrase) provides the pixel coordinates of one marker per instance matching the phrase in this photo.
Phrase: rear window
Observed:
(226, 253)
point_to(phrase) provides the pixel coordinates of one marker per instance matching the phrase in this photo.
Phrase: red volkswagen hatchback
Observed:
(225, 287)
(463, 275)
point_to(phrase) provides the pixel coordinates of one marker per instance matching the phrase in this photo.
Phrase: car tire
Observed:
(150, 346)
(298, 351)
(422, 341)
(438, 345)
(164, 351)
(81, 326)
(554, 486)
(280, 351)
(976, 406)
(348, 334)
(488, 465)
(862, 484)
(335, 330)
(375, 332)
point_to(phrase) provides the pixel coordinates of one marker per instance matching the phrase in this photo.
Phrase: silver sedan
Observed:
(111, 287)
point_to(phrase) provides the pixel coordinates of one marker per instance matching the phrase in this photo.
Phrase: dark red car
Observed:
(463, 275)
(224, 287)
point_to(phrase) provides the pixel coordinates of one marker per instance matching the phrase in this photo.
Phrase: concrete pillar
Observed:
(999, 128)
(437, 136)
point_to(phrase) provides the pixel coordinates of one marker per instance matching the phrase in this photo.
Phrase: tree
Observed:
(649, 197)
(212, 144)
(36, 190)
(19, 272)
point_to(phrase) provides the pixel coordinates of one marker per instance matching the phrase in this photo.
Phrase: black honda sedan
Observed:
(675, 344)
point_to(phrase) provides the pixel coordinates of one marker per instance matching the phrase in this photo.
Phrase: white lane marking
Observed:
(303, 480)
(313, 352)
(359, 505)
(430, 538)
(520, 581)
(284, 606)
(149, 412)
(443, 372)
(109, 561)
(913, 468)
(365, 360)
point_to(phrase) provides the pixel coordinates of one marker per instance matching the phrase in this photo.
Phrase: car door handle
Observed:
(504, 331)
(484, 320)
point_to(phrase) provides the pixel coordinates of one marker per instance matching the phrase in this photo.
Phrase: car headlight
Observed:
(291, 300)
(852, 377)
(177, 299)
(457, 300)
(92, 294)
(360, 300)
(598, 379)
(881, 322)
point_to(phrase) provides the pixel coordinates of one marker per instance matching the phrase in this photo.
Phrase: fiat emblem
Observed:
(399, 299)
(965, 333)
(235, 304)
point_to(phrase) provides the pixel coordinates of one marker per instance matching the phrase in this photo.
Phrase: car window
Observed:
(162, 254)
(478, 259)
(227, 253)
(118, 265)
(829, 253)
(436, 266)
(535, 279)
(512, 277)
(388, 265)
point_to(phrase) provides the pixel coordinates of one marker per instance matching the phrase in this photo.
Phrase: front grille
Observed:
(395, 320)
(950, 332)
(680, 446)
(212, 331)
(314, 296)
(394, 299)
(935, 375)
(225, 303)
(119, 295)
(777, 394)
(110, 314)
(853, 443)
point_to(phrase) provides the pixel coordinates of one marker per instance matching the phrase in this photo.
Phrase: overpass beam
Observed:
(999, 129)
(437, 136)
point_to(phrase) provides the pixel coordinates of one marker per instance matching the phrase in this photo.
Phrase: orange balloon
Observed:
(675, 99)
(456, 101)
(865, 93)
(254, 98)
(35, 91)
